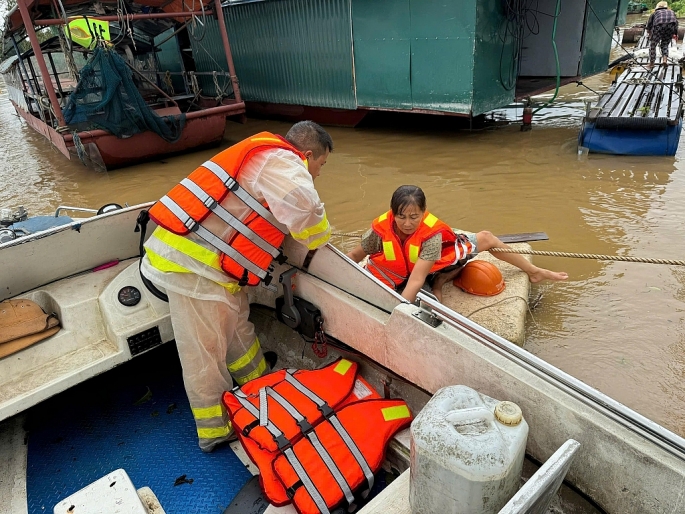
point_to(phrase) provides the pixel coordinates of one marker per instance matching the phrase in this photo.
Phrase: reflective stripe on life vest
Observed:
(255, 240)
(273, 488)
(329, 387)
(311, 481)
(396, 260)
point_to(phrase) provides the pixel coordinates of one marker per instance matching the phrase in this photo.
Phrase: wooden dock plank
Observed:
(615, 97)
(636, 100)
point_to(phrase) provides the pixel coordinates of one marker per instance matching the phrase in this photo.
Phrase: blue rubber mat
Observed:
(112, 422)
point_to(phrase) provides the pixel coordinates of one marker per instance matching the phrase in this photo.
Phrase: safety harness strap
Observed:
(276, 432)
(308, 431)
(335, 422)
(306, 481)
(178, 212)
(321, 404)
(244, 196)
(263, 408)
(355, 451)
(384, 271)
(228, 218)
(332, 467)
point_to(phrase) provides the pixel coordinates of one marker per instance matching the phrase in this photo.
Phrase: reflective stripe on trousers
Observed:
(212, 336)
(249, 365)
(212, 422)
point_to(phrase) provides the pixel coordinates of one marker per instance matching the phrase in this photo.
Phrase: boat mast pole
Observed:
(227, 49)
(47, 81)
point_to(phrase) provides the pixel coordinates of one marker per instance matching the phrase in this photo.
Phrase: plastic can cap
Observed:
(508, 413)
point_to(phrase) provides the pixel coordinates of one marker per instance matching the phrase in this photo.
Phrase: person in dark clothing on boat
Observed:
(661, 27)
(409, 247)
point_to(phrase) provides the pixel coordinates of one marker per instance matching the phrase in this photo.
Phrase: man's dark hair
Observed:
(404, 196)
(307, 135)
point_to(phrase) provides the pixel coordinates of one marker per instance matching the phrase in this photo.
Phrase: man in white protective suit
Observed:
(218, 231)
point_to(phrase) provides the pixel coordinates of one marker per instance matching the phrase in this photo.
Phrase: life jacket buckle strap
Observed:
(326, 410)
(243, 280)
(248, 428)
(290, 491)
(281, 259)
(232, 184)
(283, 442)
(305, 426)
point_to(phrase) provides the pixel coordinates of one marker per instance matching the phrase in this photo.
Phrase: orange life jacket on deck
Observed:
(273, 414)
(256, 241)
(395, 262)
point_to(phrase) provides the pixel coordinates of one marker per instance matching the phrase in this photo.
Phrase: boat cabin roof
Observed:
(43, 10)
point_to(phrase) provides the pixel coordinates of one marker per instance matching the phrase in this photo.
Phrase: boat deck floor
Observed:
(135, 417)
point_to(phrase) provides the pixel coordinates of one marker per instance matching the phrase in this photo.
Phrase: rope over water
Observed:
(645, 260)
(590, 256)
(346, 234)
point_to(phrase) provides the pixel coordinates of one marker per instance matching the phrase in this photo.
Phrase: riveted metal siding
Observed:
(293, 51)
(382, 49)
(442, 48)
(492, 59)
(597, 37)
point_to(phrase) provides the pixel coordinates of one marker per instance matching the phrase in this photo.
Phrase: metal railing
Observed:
(589, 396)
(79, 209)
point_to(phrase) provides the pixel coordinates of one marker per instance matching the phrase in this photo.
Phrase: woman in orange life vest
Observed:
(409, 247)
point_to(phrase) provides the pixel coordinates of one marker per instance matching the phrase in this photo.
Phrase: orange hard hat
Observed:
(480, 278)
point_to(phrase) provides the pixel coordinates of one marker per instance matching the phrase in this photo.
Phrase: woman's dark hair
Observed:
(404, 196)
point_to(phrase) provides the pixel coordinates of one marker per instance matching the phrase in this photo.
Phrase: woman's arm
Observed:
(357, 254)
(417, 279)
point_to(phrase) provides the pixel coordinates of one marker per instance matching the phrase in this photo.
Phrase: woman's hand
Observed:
(417, 279)
(357, 254)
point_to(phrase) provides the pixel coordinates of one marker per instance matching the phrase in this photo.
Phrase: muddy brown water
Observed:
(619, 327)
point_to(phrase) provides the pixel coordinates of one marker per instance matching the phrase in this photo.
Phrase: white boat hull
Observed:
(620, 464)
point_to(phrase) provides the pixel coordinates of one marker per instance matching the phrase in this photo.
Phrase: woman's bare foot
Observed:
(540, 274)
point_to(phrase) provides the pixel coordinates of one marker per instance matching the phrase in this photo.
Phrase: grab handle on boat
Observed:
(68, 208)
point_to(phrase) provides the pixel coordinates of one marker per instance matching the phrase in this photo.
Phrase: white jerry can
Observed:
(467, 453)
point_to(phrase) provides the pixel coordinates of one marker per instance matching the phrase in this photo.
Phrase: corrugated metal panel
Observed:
(599, 24)
(490, 60)
(293, 51)
(382, 49)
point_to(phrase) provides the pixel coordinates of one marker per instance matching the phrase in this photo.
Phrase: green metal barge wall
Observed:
(422, 55)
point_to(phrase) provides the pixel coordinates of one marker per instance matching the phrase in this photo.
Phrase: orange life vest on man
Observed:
(317, 436)
(395, 262)
(256, 241)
